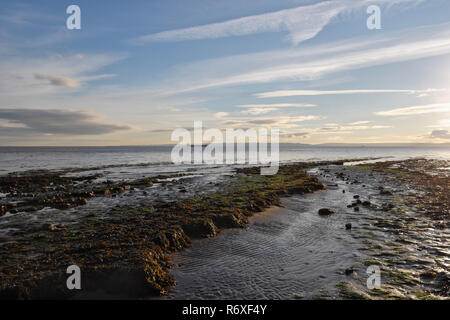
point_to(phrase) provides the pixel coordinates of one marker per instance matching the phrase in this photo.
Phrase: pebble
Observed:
(326, 211)
(349, 271)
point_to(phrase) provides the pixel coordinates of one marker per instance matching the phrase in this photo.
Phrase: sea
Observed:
(19, 159)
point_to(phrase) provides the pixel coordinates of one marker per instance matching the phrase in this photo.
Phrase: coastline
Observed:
(128, 253)
(299, 254)
(135, 243)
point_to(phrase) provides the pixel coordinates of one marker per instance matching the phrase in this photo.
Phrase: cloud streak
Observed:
(313, 62)
(292, 93)
(359, 122)
(331, 129)
(256, 109)
(415, 110)
(281, 122)
(221, 114)
(302, 23)
(444, 123)
(278, 105)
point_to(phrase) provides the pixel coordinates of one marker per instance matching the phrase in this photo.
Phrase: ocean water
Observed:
(17, 159)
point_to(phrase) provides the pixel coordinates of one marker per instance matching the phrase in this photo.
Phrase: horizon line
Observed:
(380, 144)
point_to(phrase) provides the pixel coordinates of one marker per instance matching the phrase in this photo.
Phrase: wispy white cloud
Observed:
(25, 15)
(359, 122)
(312, 62)
(329, 130)
(348, 128)
(302, 23)
(291, 93)
(220, 114)
(431, 108)
(444, 123)
(256, 109)
(280, 122)
(278, 105)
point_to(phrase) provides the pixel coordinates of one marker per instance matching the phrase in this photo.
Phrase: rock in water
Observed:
(2, 210)
(298, 295)
(326, 211)
(348, 226)
(49, 226)
(349, 271)
(200, 228)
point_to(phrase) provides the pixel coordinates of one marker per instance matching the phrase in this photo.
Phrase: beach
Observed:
(294, 253)
(141, 230)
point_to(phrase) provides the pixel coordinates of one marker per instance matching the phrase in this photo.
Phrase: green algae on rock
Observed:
(128, 253)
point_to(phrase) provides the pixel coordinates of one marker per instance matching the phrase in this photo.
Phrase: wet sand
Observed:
(287, 252)
(293, 253)
(134, 242)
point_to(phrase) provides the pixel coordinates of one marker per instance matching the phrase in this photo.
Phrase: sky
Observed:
(138, 70)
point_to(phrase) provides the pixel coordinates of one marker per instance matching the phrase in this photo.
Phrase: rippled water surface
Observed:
(293, 253)
(285, 253)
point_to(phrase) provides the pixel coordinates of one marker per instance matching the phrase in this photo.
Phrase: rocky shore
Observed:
(125, 250)
(407, 236)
